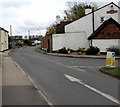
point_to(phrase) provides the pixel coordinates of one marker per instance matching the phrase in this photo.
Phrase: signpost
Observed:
(110, 59)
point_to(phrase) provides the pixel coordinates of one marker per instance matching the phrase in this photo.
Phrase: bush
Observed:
(71, 50)
(92, 50)
(19, 44)
(114, 49)
(63, 50)
(80, 49)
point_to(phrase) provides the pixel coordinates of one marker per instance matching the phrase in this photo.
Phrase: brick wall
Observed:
(111, 31)
(47, 43)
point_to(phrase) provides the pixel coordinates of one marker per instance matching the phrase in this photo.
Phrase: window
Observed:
(101, 19)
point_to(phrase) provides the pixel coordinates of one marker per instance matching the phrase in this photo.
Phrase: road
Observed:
(68, 81)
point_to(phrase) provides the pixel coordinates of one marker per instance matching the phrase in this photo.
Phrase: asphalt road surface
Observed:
(68, 81)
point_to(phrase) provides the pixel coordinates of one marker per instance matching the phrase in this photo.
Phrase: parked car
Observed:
(33, 44)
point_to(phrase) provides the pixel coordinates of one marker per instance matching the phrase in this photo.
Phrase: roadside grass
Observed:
(114, 72)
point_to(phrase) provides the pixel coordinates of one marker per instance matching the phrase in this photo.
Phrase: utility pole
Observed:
(93, 22)
(10, 30)
(29, 33)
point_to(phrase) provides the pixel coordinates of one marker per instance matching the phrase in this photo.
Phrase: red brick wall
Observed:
(111, 31)
(47, 43)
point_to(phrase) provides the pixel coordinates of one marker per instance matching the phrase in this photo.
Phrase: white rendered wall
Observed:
(85, 23)
(76, 40)
(103, 44)
(58, 41)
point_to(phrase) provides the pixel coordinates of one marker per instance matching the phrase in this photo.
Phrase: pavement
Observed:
(74, 56)
(17, 87)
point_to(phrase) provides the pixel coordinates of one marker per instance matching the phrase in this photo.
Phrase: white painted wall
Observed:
(4, 40)
(106, 43)
(58, 41)
(119, 13)
(85, 23)
(103, 13)
(76, 40)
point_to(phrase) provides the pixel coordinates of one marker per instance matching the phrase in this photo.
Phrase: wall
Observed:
(58, 41)
(4, 40)
(76, 40)
(106, 43)
(47, 43)
(85, 23)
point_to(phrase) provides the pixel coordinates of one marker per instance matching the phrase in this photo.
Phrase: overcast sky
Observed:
(34, 15)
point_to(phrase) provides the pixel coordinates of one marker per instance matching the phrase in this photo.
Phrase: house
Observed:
(3, 39)
(99, 28)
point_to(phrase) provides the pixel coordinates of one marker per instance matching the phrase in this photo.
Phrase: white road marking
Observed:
(39, 90)
(19, 68)
(73, 67)
(73, 79)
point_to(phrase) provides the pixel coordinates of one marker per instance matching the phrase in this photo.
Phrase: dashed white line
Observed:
(73, 79)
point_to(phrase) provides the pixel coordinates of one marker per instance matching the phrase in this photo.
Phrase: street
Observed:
(68, 81)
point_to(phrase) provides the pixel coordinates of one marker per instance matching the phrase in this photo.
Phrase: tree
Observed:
(75, 10)
(51, 30)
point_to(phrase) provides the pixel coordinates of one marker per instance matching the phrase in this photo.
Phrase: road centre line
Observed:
(73, 79)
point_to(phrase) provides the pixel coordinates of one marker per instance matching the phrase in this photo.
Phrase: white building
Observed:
(79, 33)
(3, 39)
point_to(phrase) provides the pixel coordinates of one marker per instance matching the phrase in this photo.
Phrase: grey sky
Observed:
(34, 15)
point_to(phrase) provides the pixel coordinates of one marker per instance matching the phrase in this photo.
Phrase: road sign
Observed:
(110, 59)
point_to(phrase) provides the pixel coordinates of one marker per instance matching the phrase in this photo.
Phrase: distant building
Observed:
(3, 39)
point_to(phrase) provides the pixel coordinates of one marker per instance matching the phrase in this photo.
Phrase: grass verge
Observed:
(114, 72)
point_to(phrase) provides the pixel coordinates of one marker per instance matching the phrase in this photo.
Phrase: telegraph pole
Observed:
(10, 30)
(29, 33)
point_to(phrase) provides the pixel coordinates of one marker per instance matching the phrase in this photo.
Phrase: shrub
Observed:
(80, 49)
(63, 50)
(71, 50)
(92, 50)
(19, 44)
(114, 49)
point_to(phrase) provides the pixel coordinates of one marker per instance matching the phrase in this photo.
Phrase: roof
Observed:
(3, 29)
(111, 20)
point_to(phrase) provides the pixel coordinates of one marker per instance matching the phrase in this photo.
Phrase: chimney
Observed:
(58, 20)
(88, 9)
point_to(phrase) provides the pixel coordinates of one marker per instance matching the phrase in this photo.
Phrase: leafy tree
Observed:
(75, 10)
(51, 29)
